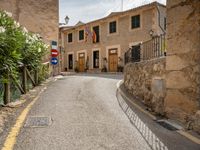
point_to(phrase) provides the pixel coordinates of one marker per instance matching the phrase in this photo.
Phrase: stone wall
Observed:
(146, 80)
(182, 100)
(37, 16)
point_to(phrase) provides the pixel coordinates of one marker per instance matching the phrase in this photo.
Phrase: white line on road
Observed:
(154, 142)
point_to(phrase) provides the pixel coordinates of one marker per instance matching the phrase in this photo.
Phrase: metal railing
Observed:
(154, 48)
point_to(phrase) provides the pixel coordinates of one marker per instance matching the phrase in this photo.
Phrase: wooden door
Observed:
(113, 60)
(81, 62)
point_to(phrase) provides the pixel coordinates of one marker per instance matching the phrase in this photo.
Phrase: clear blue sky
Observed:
(88, 10)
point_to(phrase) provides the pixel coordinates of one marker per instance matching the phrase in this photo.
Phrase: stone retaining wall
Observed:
(182, 100)
(146, 80)
(172, 86)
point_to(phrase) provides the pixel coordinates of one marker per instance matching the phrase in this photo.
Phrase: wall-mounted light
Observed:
(66, 20)
(151, 32)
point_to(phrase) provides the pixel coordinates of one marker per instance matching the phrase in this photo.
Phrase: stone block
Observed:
(171, 3)
(174, 62)
(179, 106)
(158, 91)
(158, 86)
(196, 125)
(183, 12)
(179, 45)
(177, 80)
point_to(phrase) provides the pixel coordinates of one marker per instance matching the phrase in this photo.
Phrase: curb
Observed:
(180, 130)
(134, 104)
(150, 137)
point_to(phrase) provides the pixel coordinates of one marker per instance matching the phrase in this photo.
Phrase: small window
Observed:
(70, 37)
(135, 22)
(81, 35)
(113, 27)
(96, 37)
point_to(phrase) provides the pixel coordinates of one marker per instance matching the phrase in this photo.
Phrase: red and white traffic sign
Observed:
(54, 53)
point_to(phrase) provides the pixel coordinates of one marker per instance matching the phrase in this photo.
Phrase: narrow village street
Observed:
(99, 75)
(85, 115)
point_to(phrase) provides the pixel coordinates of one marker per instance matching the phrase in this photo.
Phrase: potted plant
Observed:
(120, 68)
(104, 69)
(76, 68)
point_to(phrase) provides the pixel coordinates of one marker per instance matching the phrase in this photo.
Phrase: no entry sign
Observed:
(54, 61)
(54, 53)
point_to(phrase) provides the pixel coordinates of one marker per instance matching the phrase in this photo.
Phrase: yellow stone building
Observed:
(100, 45)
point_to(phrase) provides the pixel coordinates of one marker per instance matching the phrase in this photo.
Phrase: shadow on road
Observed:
(117, 76)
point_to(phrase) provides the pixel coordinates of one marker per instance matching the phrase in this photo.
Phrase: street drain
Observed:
(37, 122)
(166, 125)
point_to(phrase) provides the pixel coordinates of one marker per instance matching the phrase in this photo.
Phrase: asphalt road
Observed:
(85, 115)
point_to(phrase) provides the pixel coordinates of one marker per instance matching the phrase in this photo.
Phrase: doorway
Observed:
(81, 62)
(113, 60)
(70, 61)
(95, 59)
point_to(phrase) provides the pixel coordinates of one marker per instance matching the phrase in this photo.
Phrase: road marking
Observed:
(134, 104)
(152, 140)
(180, 131)
(189, 136)
(12, 136)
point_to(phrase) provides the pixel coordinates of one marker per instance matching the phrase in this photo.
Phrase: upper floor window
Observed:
(70, 38)
(81, 35)
(96, 37)
(135, 21)
(113, 27)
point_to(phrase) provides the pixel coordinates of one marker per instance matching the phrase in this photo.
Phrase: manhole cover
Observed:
(38, 122)
(166, 125)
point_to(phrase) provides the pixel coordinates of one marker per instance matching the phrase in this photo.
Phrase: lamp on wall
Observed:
(151, 32)
(66, 20)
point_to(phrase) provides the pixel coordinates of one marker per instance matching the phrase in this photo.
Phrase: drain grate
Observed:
(37, 121)
(166, 125)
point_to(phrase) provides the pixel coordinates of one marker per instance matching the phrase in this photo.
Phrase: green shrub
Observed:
(18, 46)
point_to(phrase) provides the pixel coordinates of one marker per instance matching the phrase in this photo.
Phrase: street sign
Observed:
(54, 53)
(54, 43)
(54, 61)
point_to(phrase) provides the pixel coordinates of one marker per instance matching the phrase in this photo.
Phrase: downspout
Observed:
(157, 7)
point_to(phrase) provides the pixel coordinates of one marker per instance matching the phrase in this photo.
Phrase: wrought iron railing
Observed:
(154, 48)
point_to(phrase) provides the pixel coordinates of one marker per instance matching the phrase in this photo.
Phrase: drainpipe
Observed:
(157, 7)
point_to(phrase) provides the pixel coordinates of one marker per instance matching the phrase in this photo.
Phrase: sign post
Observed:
(54, 55)
(54, 61)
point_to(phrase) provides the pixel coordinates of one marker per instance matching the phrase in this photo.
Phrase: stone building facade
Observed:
(115, 33)
(37, 16)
